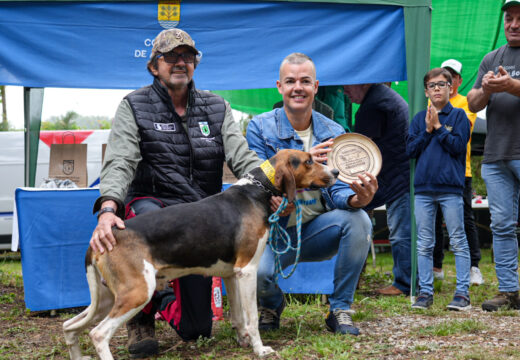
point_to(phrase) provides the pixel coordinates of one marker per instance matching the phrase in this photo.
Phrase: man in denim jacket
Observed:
(333, 221)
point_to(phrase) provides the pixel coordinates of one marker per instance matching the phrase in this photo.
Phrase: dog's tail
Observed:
(82, 320)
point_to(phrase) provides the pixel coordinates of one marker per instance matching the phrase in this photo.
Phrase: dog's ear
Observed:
(284, 180)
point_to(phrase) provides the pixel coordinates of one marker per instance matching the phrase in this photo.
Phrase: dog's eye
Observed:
(309, 162)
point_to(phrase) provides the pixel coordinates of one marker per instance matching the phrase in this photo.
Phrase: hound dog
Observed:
(222, 235)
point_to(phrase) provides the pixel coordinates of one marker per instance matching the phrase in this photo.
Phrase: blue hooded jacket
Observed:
(441, 154)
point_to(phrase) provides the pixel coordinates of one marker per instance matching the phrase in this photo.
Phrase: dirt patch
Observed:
(39, 336)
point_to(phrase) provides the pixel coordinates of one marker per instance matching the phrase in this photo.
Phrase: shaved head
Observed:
(297, 59)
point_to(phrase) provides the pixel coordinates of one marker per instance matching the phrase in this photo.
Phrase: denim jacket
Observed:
(271, 131)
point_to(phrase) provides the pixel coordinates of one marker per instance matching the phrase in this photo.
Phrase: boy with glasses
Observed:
(437, 140)
(460, 101)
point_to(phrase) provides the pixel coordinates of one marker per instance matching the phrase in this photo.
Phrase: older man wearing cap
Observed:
(498, 87)
(460, 101)
(167, 146)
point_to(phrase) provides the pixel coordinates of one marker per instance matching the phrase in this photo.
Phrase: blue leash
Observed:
(278, 233)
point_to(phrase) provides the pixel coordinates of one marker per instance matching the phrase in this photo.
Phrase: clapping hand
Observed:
(499, 82)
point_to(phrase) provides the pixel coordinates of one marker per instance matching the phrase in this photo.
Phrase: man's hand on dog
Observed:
(365, 190)
(102, 237)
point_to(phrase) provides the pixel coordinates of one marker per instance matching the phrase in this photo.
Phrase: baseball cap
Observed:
(453, 64)
(509, 3)
(169, 39)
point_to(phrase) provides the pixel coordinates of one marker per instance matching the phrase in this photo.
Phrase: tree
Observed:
(4, 126)
(66, 122)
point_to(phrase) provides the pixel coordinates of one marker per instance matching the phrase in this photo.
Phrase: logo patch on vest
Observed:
(204, 128)
(170, 127)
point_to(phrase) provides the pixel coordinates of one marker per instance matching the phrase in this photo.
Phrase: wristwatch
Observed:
(105, 210)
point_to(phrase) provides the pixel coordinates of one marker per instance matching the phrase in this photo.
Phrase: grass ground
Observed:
(389, 327)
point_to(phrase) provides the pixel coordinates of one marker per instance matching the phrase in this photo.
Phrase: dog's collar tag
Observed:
(268, 170)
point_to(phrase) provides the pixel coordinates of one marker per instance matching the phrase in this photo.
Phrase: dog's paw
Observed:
(265, 351)
(243, 341)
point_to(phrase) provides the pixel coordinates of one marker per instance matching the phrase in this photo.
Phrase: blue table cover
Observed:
(55, 228)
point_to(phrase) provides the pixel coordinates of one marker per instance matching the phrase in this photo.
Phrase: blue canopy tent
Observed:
(99, 44)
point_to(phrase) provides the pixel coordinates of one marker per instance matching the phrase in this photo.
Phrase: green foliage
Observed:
(47, 125)
(104, 124)
(10, 272)
(71, 120)
(4, 124)
(244, 121)
(64, 122)
(7, 298)
(479, 187)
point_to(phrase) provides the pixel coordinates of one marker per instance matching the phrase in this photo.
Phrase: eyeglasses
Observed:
(172, 57)
(440, 84)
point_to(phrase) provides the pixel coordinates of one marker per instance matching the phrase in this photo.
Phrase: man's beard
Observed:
(177, 85)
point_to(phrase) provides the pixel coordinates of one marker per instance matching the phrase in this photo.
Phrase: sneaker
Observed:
(424, 301)
(340, 322)
(141, 336)
(506, 300)
(269, 318)
(438, 274)
(459, 303)
(475, 276)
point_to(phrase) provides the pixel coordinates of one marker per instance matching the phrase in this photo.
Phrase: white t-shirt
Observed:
(309, 199)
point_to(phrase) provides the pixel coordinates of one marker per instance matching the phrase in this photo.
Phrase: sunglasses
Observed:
(172, 57)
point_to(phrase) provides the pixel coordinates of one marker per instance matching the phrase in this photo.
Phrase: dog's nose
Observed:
(335, 173)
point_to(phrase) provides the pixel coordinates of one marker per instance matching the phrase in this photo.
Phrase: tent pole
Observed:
(33, 103)
(418, 38)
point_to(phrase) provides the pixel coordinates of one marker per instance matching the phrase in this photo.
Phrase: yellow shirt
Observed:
(460, 101)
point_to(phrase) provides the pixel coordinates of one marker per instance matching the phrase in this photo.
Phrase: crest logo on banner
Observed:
(204, 128)
(68, 167)
(169, 13)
